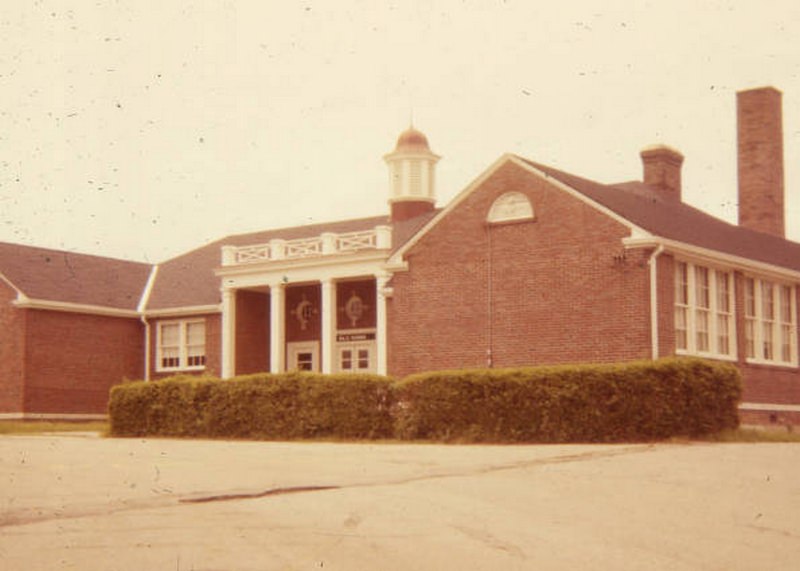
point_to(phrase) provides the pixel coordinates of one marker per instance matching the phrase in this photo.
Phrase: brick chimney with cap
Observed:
(662, 170)
(760, 160)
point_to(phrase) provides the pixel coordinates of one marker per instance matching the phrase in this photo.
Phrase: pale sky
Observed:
(145, 129)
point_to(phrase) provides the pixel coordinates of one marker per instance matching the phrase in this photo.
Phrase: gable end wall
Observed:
(554, 290)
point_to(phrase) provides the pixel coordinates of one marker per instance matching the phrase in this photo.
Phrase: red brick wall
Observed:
(780, 418)
(72, 360)
(558, 294)
(665, 278)
(765, 384)
(252, 332)
(213, 346)
(12, 349)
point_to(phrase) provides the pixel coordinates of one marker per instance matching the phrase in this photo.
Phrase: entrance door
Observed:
(303, 356)
(356, 357)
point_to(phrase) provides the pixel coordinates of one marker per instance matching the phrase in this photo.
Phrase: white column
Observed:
(228, 333)
(277, 309)
(328, 311)
(380, 323)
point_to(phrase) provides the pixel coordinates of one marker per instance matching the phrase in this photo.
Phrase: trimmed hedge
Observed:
(589, 403)
(265, 406)
(593, 403)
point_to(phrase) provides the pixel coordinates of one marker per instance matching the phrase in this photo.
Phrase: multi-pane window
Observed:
(725, 322)
(181, 345)
(770, 321)
(355, 359)
(704, 321)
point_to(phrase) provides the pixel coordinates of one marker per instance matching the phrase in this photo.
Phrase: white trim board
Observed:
(69, 307)
(769, 407)
(50, 416)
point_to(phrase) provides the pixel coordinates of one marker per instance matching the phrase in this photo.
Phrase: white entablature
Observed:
(326, 244)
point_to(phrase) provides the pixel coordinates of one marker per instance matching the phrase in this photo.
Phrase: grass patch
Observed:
(755, 435)
(44, 426)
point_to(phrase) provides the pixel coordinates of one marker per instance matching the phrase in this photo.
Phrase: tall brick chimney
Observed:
(662, 170)
(760, 160)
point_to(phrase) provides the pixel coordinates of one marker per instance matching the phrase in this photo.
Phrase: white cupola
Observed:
(412, 165)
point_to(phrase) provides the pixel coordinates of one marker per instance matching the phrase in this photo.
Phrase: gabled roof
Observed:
(680, 222)
(67, 277)
(188, 280)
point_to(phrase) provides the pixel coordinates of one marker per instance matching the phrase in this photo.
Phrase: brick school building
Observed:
(528, 265)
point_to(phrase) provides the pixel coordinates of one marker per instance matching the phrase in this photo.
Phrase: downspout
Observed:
(652, 262)
(489, 304)
(141, 308)
(146, 347)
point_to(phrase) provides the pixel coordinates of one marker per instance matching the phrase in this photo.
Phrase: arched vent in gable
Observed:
(509, 207)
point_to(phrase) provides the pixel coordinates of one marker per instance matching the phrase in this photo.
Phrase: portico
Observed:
(321, 300)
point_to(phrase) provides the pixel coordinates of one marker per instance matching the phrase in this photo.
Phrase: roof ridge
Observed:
(72, 253)
(310, 225)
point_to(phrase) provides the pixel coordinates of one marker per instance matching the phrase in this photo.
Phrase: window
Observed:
(356, 358)
(770, 323)
(509, 207)
(704, 321)
(305, 361)
(181, 345)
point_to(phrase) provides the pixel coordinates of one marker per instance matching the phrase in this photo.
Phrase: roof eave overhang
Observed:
(712, 256)
(180, 311)
(68, 307)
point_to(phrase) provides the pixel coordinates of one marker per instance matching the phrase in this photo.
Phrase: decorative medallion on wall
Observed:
(354, 309)
(303, 312)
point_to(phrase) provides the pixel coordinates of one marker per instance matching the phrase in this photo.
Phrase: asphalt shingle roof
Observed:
(60, 276)
(189, 280)
(675, 220)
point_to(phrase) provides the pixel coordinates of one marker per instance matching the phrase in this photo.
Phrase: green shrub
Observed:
(591, 403)
(286, 406)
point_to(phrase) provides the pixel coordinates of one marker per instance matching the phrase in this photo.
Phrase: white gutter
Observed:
(188, 310)
(10, 284)
(653, 263)
(28, 303)
(713, 256)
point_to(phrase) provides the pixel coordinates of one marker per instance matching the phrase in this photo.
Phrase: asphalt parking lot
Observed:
(90, 503)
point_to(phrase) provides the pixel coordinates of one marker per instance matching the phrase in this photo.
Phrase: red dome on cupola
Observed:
(412, 140)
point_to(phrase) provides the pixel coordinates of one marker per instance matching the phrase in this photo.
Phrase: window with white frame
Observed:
(770, 322)
(704, 320)
(181, 345)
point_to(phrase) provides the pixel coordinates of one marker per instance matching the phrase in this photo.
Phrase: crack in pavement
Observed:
(254, 495)
(33, 515)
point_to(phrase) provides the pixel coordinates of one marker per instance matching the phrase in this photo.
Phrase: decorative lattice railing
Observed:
(329, 243)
